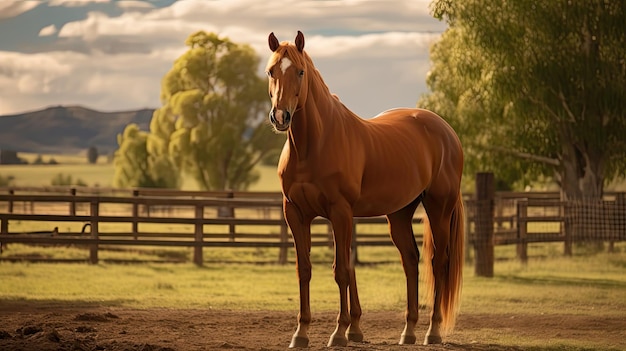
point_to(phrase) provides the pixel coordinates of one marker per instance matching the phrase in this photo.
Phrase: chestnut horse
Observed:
(339, 166)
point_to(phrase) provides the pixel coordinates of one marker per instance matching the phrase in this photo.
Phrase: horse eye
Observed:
(301, 73)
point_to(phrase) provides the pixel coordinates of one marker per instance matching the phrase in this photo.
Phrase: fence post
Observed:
(198, 236)
(616, 223)
(135, 213)
(4, 226)
(282, 253)
(73, 203)
(568, 226)
(93, 249)
(483, 245)
(522, 228)
(11, 192)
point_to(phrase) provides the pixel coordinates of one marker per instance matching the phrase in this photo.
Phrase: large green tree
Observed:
(535, 88)
(212, 122)
(138, 165)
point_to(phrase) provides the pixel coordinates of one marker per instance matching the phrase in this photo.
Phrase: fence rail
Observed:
(201, 213)
(255, 219)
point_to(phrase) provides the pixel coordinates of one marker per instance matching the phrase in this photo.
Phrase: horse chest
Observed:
(317, 193)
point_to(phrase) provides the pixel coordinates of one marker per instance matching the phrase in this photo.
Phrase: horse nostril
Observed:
(287, 117)
(273, 116)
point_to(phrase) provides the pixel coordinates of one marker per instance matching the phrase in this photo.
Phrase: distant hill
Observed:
(67, 129)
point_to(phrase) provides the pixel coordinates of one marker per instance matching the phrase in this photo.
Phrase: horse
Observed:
(338, 166)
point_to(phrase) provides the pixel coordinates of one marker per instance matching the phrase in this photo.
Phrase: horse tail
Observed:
(453, 279)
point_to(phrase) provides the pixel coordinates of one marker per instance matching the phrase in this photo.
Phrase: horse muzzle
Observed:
(280, 119)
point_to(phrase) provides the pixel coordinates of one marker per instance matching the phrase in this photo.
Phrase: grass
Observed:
(101, 174)
(589, 284)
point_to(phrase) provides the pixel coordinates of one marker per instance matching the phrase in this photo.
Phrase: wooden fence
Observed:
(203, 211)
(254, 219)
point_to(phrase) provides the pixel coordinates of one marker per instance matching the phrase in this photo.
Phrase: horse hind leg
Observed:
(443, 250)
(401, 231)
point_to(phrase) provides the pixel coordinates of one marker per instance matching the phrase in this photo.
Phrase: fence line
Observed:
(224, 219)
(105, 210)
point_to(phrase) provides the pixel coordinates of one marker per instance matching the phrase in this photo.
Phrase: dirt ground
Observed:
(60, 326)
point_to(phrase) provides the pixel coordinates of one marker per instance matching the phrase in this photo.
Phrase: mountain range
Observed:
(67, 129)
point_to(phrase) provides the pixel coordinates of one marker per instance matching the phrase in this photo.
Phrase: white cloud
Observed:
(10, 9)
(373, 54)
(134, 5)
(75, 3)
(48, 30)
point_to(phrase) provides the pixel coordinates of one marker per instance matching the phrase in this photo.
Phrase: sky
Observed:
(111, 55)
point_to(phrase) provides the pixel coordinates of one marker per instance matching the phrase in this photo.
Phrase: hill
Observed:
(67, 129)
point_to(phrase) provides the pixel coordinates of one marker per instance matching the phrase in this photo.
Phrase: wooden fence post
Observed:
(135, 213)
(483, 245)
(73, 203)
(616, 222)
(4, 226)
(93, 249)
(11, 192)
(522, 229)
(283, 251)
(198, 236)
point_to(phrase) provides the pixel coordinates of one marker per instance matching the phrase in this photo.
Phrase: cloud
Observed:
(9, 9)
(374, 54)
(134, 5)
(48, 31)
(75, 3)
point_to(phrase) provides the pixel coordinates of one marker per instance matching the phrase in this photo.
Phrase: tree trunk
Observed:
(581, 178)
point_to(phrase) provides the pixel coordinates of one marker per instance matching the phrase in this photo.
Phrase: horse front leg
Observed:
(341, 219)
(301, 231)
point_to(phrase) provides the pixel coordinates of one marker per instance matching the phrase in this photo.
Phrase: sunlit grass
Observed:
(591, 285)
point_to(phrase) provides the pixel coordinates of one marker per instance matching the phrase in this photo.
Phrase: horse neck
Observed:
(314, 120)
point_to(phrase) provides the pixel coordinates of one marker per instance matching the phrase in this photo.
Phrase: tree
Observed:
(213, 110)
(136, 167)
(92, 155)
(61, 179)
(535, 88)
(6, 181)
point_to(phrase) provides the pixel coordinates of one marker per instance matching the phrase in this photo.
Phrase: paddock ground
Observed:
(51, 325)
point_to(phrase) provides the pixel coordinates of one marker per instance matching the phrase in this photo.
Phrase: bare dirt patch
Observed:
(63, 326)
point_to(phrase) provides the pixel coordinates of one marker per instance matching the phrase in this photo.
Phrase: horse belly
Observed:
(389, 193)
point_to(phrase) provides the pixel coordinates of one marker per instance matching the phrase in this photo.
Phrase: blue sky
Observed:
(111, 55)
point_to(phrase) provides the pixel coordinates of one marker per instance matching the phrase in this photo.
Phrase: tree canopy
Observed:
(211, 124)
(535, 88)
(213, 113)
(135, 166)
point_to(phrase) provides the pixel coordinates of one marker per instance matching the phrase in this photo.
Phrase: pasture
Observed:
(100, 174)
(551, 303)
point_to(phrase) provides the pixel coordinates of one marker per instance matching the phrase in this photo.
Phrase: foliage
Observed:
(92, 155)
(6, 181)
(136, 167)
(61, 179)
(212, 119)
(535, 88)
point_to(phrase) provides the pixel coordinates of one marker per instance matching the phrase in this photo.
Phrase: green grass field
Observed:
(100, 174)
(591, 284)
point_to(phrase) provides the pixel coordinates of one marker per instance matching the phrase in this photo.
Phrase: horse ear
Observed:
(300, 41)
(273, 42)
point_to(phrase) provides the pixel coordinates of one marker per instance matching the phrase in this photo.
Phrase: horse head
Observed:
(286, 70)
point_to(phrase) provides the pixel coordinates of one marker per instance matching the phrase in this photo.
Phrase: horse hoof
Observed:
(407, 339)
(432, 339)
(338, 340)
(356, 337)
(299, 341)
